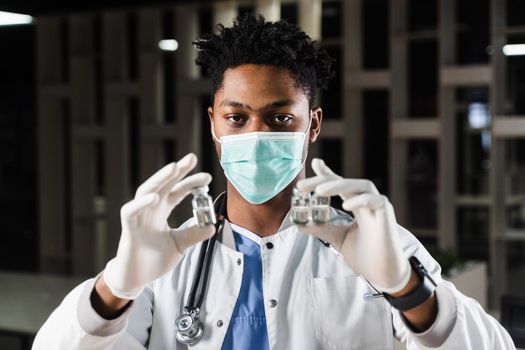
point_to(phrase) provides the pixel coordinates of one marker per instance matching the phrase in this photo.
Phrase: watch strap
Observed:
(419, 295)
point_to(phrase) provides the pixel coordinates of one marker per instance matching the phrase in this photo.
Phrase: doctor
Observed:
(272, 285)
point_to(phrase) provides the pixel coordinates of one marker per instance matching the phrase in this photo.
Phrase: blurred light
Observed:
(168, 45)
(485, 144)
(11, 19)
(514, 50)
(478, 115)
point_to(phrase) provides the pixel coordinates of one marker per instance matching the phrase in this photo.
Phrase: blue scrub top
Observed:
(247, 329)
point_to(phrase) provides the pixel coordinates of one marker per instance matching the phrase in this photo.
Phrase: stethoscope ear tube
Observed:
(188, 328)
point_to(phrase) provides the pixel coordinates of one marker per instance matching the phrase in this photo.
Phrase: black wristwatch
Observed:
(418, 295)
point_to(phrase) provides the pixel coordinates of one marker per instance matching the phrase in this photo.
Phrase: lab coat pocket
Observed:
(344, 320)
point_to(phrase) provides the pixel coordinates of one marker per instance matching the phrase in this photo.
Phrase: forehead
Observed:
(259, 84)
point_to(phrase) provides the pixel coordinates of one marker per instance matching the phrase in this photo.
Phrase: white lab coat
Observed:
(320, 305)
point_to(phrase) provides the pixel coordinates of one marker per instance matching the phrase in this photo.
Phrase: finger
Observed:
(161, 177)
(346, 188)
(156, 180)
(184, 187)
(308, 185)
(189, 236)
(134, 207)
(367, 200)
(185, 165)
(320, 168)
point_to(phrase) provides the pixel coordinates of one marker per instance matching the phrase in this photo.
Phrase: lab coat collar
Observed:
(282, 233)
(227, 236)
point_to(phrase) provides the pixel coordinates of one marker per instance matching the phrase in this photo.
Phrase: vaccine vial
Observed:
(320, 208)
(300, 211)
(202, 204)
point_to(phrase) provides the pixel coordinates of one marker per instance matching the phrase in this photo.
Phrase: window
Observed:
(289, 12)
(375, 118)
(422, 184)
(331, 24)
(331, 98)
(423, 78)
(375, 34)
(473, 27)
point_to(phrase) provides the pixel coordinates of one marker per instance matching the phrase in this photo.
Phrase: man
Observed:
(272, 285)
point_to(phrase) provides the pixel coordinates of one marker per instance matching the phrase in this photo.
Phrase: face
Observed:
(262, 98)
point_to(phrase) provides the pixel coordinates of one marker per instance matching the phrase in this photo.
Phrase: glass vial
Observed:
(202, 204)
(320, 208)
(300, 210)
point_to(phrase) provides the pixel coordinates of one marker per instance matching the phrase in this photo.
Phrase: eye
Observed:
(235, 119)
(282, 119)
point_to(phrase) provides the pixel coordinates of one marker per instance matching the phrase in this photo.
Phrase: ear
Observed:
(315, 127)
(210, 117)
(210, 114)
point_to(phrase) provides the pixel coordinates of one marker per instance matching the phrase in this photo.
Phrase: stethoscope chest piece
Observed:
(189, 328)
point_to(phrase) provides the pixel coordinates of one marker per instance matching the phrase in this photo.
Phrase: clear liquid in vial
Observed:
(204, 216)
(320, 214)
(300, 215)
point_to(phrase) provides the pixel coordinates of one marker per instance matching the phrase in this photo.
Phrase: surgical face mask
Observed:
(261, 164)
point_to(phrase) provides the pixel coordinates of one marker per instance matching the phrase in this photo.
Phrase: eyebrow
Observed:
(272, 105)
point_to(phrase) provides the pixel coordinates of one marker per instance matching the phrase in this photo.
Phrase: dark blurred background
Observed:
(427, 103)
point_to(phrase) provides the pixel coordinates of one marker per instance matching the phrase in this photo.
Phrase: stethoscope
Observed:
(188, 328)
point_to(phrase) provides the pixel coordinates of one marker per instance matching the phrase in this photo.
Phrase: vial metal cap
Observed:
(200, 190)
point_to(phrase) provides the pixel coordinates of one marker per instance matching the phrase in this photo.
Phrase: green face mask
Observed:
(261, 164)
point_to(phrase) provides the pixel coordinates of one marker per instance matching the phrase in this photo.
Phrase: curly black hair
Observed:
(254, 40)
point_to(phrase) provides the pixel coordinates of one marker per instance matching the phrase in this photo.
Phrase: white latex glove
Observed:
(149, 247)
(370, 245)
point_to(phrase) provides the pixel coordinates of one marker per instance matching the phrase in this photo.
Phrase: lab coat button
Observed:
(273, 303)
(239, 261)
(219, 323)
(269, 245)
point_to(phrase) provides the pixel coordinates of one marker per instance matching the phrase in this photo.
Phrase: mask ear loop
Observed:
(213, 132)
(309, 123)
(307, 130)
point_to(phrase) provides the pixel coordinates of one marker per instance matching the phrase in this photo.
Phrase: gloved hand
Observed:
(370, 245)
(149, 247)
